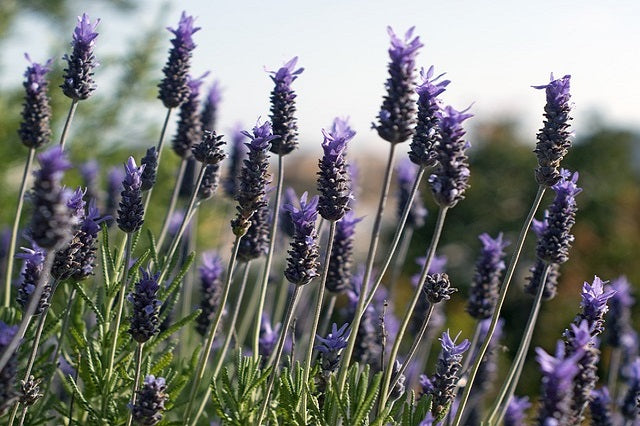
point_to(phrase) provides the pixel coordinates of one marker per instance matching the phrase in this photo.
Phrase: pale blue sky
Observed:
(492, 51)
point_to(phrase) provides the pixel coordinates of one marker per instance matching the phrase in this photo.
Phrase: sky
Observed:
(492, 51)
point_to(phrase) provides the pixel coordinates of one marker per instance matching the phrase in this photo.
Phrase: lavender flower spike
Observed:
(283, 108)
(255, 242)
(150, 402)
(87, 237)
(619, 317)
(450, 178)
(302, 263)
(254, 177)
(189, 131)
(144, 318)
(9, 371)
(515, 414)
(209, 115)
(396, 116)
(593, 306)
(149, 174)
(341, 260)
(230, 183)
(333, 177)
(78, 76)
(268, 338)
(210, 270)
(331, 346)
(51, 223)
(630, 407)
(35, 130)
(558, 372)
(209, 151)
(483, 294)
(446, 376)
(556, 239)
(173, 88)
(31, 272)
(425, 138)
(600, 407)
(553, 139)
(406, 172)
(131, 211)
(437, 288)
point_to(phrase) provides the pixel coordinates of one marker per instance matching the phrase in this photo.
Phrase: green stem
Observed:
(67, 123)
(400, 259)
(119, 309)
(172, 204)
(281, 301)
(162, 135)
(373, 245)
(267, 263)
(27, 315)
(442, 213)
(14, 230)
(248, 319)
(328, 313)
(501, 298)
(613, 372)
(278, 356)
(413, 350)
(136, 381)
(508, 386)
(316, 315)
(204, 356)
(227, 341)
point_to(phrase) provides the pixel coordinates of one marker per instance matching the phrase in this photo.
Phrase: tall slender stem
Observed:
(247, 320)
(281, 301)
(400, 259)
(413, 350)
(328, 313)
(283, 334)
(508, 386)
(67, 123)
(442, 214)
(14, 230)
(267, 263)
(172, 204)
(373, 245)
(163, 132)
(204, 356)
(613, 372)
(501, 297)
(316, 315)
(27, 315)
(136, 381)
(120, 308)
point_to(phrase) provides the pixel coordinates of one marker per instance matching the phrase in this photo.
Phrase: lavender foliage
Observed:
(35, 128)
(78, 76)
(283, 108)
(483, 294)
(396, 118)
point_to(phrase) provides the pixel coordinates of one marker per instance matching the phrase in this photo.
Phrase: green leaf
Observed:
(89, 302)
(152, 247)
(73, 388)
(178, 278)
(169, 331)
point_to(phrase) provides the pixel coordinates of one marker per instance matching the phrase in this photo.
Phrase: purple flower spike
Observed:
(446, 377)
(437, 288)
(149, 406)
(594, 304)
(396, 116)
(450, 178)
(302, 263)
(86, 239)
(254, 178)
(51, 223)
(255, 242)
(31, 273)
(173, 88)
(35, 130)
(210, 270)
(555, 239)
(600, 407)
(209, 116)
(149, 174)
(630, 408)
(209, 151)
(189, 131)
(331, 347)
(425, 138)
(268, 338)
(619, 317)
(341, 260)
(283, 108)
(516, 411)
(333, 176)
(131, 211)
(557, 382)
(553, 139)
(9, 371)
(406, 172)
(78, 76)
(146, 306)
(236, 156)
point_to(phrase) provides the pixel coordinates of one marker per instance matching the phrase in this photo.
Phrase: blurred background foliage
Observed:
(125, 119)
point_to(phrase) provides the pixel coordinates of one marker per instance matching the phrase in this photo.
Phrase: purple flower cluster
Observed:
(131, 210)
(149, 174)
(341, 259)
(302, 263)
(331, 347)
(283, 108)
(254, 178)
(9, 371)
(30, 276)
(600, 407)
(333, 176)
(427, 134)
(406, 172)
(516, 411)
(35, 130)
(534, 280)
(144, 319)
(450, 178)
(174, 89)
(78, 76)
(553, 139)
(209, 115)
(397, 115)
(211, 290)
(437, 288)
(149, 406)
(630, 405)
(483, 293)
(619, 317)
(209, 150)
(189, 131)
(446, 377)
(236, 155)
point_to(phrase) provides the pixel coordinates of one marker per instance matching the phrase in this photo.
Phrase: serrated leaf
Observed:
(88, 301)
(152, 247)
(172, 329)
(178, 278)
(79, 396)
